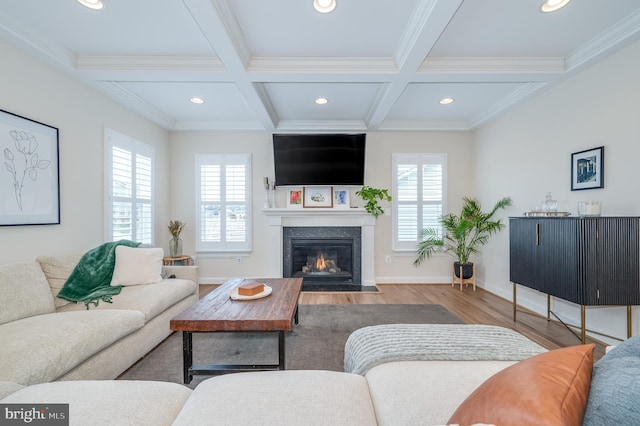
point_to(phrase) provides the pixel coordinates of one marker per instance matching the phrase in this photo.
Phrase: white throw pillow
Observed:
(136, 266)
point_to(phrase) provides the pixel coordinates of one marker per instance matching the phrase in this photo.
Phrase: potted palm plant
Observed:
(464, 234)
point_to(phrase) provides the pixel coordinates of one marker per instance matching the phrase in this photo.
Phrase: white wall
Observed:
(39, 92)
(526, 153)
(380, 146)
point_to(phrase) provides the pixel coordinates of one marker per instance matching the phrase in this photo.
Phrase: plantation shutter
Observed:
(129, 188)
(419, 194)
(223, 202)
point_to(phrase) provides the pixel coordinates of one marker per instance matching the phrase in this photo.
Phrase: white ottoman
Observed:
(292, 397)
(109, 402)
(370, 346)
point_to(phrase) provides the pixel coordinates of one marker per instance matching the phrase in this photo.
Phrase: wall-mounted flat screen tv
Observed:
(319, 159)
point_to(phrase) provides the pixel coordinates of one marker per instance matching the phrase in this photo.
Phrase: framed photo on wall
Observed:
(294, 197)
(587, 169)
(318, 196)
(30, 177)
(341, 197)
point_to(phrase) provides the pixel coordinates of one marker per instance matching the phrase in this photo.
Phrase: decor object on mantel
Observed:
(371, 196)
(175, 243)
(464, 234)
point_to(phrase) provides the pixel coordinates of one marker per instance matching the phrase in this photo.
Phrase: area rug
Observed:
(316, 343)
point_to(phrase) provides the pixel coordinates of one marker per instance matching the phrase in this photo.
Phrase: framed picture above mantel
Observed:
(294, 198)
(587, 169)
(318, 196)
(341, 197)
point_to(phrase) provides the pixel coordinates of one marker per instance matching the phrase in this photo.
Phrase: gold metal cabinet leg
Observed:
(514, 302)
(583, 317)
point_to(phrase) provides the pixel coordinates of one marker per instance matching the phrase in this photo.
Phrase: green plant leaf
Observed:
(464, 233)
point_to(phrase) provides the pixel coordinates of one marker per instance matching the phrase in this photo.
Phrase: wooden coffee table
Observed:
(218, 312)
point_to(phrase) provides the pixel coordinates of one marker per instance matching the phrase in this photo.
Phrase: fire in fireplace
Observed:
(322, 256)
(326, 260)
(321, 264)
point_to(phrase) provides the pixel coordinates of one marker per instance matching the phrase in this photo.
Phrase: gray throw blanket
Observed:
(370, 346)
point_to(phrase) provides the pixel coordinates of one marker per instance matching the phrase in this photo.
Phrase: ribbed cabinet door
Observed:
(559, 260)
(523, 261)
(615, 280)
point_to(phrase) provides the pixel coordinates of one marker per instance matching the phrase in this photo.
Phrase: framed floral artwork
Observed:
(294, 197)
(317, 196)
(30, 178)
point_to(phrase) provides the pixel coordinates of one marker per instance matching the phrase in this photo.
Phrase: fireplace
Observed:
(358, 220)
(325, 257)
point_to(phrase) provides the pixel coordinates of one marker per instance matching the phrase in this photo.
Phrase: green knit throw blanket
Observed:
(90, 281)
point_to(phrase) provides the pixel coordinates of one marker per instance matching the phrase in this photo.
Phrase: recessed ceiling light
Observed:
(322, 101)
(197, 100)
(324, 6)
(446, 101)
(553, 5)
(92, 4)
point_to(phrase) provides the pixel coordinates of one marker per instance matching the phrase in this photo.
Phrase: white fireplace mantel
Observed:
(279, 218)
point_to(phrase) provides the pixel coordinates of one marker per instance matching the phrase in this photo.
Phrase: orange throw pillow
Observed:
(548, 389)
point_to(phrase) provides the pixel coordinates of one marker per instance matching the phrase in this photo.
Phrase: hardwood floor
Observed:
(479, 307)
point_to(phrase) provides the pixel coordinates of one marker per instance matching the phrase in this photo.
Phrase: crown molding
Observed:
(320, 125)
(149, 63)
(41, 47)
(220, 126)
(615, 37)
(519, 95)
(418, 125)
(493, 65)
(323, 65)
(129, 100)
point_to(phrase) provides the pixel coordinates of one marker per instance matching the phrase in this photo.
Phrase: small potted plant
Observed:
(464, 234)
(371, 196)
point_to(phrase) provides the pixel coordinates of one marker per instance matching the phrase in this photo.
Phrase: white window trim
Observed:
(224, 250)
(115, 139)
(405, 248)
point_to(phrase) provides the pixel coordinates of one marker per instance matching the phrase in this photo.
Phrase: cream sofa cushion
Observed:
(42, 348)
(24, 292)
(137, 266)
(292, 397)
(150, 299)
(57, 270)
(441, 386)
(7, 388)
(110, 402)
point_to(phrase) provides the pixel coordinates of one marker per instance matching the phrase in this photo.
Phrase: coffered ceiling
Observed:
(259, 64)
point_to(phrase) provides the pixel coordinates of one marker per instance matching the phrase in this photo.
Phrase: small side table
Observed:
(180, 260)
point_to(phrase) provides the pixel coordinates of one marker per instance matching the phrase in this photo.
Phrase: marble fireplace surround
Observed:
(320, 217)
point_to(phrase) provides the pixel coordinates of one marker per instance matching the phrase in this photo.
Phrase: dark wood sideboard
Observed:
(590, 261)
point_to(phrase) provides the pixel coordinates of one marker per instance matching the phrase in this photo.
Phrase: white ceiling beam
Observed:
(221, 29)
(427, 24)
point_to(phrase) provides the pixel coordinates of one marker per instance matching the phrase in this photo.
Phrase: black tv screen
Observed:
(321, 159)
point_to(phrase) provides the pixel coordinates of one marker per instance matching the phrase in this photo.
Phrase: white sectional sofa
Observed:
(548, 389)
(44, 346)
(44, 338)
(559, 387)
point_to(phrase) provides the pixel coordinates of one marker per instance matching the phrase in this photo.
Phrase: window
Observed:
(223, 202)
(129, 181)
(419, 194)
